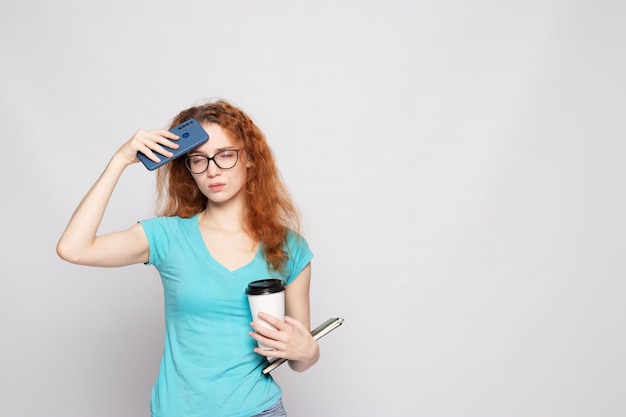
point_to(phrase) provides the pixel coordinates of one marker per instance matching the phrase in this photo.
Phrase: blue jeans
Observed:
(276, 410)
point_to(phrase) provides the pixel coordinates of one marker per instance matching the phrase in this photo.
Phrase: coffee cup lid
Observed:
(265, 286)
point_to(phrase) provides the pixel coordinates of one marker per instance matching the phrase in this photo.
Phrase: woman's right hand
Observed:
(147, 142)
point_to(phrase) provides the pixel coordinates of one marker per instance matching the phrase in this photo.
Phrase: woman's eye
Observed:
(226, 155)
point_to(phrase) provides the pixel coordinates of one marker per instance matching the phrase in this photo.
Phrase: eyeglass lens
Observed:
(225, 159)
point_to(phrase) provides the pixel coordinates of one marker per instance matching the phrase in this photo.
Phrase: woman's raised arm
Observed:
(80, 243)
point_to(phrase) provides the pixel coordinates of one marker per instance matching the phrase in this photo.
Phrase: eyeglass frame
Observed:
(211, 158)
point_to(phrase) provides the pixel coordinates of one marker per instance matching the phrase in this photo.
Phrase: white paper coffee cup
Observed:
(268, 296)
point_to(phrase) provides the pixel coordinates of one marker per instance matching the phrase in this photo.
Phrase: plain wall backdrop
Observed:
(459, 166)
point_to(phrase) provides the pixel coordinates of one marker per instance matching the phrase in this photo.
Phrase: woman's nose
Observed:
(212, 169)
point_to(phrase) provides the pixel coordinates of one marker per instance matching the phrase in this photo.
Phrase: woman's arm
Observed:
(293, 338)
(297, 307)
(80, 243)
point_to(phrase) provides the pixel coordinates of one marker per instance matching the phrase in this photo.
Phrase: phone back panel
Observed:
(191, 135)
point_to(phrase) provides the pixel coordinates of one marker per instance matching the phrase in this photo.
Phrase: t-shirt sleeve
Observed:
(299, 256)
(158, 234)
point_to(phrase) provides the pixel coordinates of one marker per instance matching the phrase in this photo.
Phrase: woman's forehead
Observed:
(217, 134)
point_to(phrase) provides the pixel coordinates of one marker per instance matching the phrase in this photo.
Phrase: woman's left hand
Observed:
(291, 340)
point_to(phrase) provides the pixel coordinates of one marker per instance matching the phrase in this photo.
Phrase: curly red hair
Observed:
(270, 209)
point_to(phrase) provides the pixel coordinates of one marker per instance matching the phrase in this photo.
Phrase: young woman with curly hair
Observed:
(225, 219)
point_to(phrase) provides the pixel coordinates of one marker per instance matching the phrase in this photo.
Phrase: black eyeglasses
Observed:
(226, 159)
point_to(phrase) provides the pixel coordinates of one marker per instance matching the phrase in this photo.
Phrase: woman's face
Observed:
(220, 185)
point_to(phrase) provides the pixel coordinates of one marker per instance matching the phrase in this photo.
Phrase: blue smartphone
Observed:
(191, 135)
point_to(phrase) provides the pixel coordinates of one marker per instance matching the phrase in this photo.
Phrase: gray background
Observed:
(459, 166)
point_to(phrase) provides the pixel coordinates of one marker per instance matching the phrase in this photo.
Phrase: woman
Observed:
(226, 219)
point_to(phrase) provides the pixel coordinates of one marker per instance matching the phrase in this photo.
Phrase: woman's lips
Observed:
(216, 186)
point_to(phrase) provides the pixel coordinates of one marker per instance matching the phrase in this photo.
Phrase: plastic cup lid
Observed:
(265, 286)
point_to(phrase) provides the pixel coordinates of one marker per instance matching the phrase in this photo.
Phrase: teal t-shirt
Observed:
(209, 368)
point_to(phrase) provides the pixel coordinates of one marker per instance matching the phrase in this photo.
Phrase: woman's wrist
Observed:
(120, 161)
(304, 364)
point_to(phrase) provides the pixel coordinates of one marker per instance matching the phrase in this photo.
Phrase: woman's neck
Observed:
(226, 218)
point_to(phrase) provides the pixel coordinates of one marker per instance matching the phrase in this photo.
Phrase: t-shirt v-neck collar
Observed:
(209, 255)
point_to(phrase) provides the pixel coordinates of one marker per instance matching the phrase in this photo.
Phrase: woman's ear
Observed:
(249, 162)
